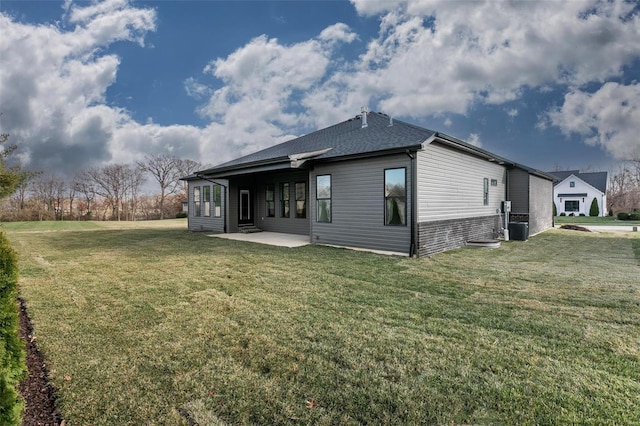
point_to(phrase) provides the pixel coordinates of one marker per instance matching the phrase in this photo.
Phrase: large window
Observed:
(485, 192)
(572, 206)
(206, 200)
(323, 198)
(196, 201)
(285, 196)
(395, 197)
(217, 200)
(301, 200)
(269, 196)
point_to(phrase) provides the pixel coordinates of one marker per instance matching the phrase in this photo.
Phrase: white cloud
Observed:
(512, 112)
(53, 83)
(609, 117)
(446, 56)
(338, 32)
(448, 122)
(474, 139)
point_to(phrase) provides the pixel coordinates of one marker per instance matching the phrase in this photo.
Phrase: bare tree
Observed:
(84, 184)
(110, 183)
(134, 178)
(624, 187)
(165, 170)
(185, 168)
(49, 193)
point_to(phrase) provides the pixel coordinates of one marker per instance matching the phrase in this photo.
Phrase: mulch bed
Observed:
(38, 393)
(575, 228)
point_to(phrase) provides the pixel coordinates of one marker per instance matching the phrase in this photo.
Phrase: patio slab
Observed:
(269, 238)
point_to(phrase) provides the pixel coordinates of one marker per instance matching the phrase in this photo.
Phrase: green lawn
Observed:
(163, 326)
(608, 221)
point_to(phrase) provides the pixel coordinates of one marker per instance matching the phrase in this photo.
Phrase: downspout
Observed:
(414, 205)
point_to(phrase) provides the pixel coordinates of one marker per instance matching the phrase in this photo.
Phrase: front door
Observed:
(245, 213)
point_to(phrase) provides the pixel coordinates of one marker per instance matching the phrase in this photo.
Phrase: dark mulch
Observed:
(38, 393)
(575, 228)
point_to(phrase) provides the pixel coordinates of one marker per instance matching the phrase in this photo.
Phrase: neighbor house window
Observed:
(285, 195)
(301, 200)
(217, 200)
(323, 198)
(206, 199)
(572, 206)
(572, 184)
(196, 201)
(485, 193)
(395, 197)
(270, 198)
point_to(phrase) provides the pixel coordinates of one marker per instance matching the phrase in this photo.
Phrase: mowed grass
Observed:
(592, 220)
(167, 327)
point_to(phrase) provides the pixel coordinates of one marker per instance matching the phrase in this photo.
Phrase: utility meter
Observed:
(506, 206)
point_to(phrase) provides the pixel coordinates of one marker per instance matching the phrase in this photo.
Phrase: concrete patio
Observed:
(269, 238)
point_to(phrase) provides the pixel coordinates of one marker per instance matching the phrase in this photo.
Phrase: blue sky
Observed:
(547, 84)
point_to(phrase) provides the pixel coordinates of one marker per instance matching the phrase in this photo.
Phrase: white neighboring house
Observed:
(573, 192)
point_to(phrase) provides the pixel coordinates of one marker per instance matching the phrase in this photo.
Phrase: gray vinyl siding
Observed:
(518, 192)
(540, 204)
(290, 225)
(451, 185)
(202, 222)
(357, 205)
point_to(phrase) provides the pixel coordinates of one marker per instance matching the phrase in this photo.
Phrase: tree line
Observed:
(110, 192)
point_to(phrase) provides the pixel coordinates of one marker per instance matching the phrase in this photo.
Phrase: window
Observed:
(269, 196)
(217, 200)
(206, 198)
(301, 200)
(572, 184)
(323, 198)
(494, 182)
(285, 195)
(572, 206)
(485, 194)
(196, 201)
(395, 197)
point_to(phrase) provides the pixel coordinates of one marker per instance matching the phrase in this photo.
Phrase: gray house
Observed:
(371, 182)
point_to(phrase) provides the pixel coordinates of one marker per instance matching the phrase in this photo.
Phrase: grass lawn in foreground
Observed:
(163, 326)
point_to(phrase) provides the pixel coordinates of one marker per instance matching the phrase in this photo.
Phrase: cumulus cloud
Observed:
(54, 80)
(474, 139)
(437, 56)
(609, 117)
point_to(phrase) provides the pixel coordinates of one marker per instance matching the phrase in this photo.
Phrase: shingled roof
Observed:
(345, 139)
(596, 179)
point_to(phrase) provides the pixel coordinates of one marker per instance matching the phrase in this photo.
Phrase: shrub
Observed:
(181, 215)
(610, 212)
(555, 210)
(582, 214)
(571, 214)
(623, 216)
(634, 215)
(563, 214)
(594, 210)
(12, 356)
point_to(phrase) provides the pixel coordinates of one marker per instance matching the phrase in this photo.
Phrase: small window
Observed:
(206, 199)
(270, 198)
(572, 184)
(196, 201)
(395, 197)
(494, 182)
(572, 206)
(285, 196)
(485, 194)
(301, 200)
(323, 198)
(217, 200)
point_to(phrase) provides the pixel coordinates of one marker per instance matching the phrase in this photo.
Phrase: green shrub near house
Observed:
(594, 210)
(623, 216)
(12, 356)
(555, 210)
